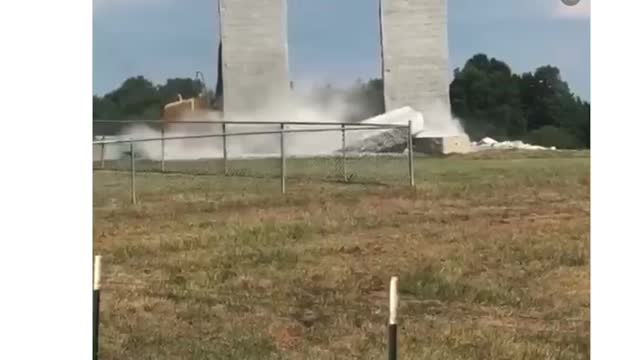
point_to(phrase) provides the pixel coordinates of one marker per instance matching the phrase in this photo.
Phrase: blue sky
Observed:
(334, 41)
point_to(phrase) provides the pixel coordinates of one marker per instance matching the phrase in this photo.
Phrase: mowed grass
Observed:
(491, 251)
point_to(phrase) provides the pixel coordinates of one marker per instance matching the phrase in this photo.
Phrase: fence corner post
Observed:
(102, 153)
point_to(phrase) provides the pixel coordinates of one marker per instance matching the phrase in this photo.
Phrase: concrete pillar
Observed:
(415, 56)
(254, 55)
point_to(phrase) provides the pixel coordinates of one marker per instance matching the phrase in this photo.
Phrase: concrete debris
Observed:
(491, 144)
(442, 145)
(386, 140)
(488, 141)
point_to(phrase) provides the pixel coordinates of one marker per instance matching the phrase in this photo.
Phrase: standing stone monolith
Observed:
(415, 58)
(255, 66)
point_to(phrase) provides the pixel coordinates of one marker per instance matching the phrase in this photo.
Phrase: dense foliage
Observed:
(538, 107)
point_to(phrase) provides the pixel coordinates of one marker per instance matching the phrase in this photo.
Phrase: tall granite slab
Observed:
(254, 57)
(415, 56)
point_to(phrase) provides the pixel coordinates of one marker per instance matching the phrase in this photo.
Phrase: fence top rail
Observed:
(203, 136)
(185, 122)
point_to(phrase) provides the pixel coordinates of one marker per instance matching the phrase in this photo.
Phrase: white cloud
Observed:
(582, 10)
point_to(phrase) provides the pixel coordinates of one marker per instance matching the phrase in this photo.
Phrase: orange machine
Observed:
(184, 108)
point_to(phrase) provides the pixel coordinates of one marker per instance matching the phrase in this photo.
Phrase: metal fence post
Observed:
(224, 149)
(163, 153)
(133, 174)
(283, 161)
(96, 305)
(410, 146)
(344, 153)
(102, 151)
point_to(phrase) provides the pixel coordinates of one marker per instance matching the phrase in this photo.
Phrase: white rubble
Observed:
(489, 144)
(386, 140)
(400, 116)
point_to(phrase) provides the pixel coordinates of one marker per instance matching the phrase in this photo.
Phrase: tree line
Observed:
(488, 98)
(538, 106)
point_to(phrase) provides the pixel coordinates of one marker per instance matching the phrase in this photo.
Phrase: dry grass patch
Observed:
(492, 255)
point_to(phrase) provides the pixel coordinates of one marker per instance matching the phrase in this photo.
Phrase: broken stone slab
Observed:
(386, 140)
(442, 145)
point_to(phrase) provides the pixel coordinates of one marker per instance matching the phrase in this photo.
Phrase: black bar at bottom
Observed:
(393, 339)
(96, 322)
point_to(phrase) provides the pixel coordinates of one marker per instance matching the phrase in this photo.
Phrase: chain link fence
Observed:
(335, 152)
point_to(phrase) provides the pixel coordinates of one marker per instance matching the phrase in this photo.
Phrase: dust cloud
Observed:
(300, 108)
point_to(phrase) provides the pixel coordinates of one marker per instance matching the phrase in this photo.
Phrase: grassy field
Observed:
(491, 251)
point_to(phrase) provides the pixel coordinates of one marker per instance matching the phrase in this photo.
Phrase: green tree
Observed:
(486, 96)
(492, 101)
(549, 135)
(136, 97)
(549, 102)
(545, 96)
